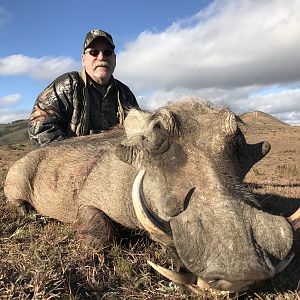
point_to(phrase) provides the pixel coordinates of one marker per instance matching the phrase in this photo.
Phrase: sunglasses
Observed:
(95, 52)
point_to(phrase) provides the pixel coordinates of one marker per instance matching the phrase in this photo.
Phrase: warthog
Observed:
(177, 174)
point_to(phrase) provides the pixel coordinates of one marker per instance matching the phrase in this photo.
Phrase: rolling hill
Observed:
(14, 133)
(259, 118)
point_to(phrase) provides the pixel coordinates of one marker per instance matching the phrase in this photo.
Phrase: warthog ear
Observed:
(250, 154)
(140, 122)
(168, 120)
(147, 135)
(136, 123)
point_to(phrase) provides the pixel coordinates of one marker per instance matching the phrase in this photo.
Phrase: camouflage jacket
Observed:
(62, 109)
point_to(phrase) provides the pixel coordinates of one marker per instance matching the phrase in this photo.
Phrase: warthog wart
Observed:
(176, 173)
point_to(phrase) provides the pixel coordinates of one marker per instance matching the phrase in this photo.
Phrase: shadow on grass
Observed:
(278, 205)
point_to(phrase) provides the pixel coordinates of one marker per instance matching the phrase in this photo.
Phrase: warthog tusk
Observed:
(230, 123)
(196, 285)
(156, 227)
(182, 278)
(198, 289)
(294, 219)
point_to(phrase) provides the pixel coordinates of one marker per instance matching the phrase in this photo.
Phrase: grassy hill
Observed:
(14, 133)
(261, 119)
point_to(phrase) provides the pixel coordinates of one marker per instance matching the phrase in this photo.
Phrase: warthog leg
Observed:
(25, 208)
(22, 206)
(94, 226)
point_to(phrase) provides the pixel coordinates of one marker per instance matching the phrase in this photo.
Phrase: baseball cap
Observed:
(96, 33)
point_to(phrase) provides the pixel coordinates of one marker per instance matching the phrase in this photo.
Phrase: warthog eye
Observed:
(157, 126)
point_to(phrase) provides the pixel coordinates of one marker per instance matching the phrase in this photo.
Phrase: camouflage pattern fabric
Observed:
(62, 109)
(97, 33)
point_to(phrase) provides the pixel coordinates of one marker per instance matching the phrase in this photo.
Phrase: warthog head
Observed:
(189, 196)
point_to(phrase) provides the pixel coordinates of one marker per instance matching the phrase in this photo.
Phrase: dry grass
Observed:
(41, 259)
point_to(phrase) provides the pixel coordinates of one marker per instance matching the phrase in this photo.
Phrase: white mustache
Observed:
(102, 64)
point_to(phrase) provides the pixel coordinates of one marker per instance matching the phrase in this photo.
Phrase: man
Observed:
(85, 102)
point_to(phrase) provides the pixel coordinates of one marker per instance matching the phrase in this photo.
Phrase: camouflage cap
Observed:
(96, 33)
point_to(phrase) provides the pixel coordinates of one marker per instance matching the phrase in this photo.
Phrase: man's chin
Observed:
(102, 79)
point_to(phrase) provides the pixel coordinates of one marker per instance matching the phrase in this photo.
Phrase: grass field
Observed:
(41, 259)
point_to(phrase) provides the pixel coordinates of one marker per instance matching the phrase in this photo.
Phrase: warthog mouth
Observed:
(160, 231)
(197, 285)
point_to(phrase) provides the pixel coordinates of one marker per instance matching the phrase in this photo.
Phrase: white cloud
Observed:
(7, 111)
(284, 104)
(7, 116)
(10, 99)
(229, 51)
(274, 103)
(292, 118)
(229, 44)
(244, 53)
(44, 68)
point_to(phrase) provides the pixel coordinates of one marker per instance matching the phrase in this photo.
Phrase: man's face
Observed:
(100, 67)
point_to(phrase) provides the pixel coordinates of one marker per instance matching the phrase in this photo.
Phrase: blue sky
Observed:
(244, 53)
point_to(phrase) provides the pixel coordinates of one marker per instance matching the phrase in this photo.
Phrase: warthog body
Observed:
(191, 193)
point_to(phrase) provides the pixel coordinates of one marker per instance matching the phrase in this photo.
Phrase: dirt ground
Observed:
(279, 171)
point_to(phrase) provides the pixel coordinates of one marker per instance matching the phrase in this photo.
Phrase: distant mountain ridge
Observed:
(14, 133)
(259, 118)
